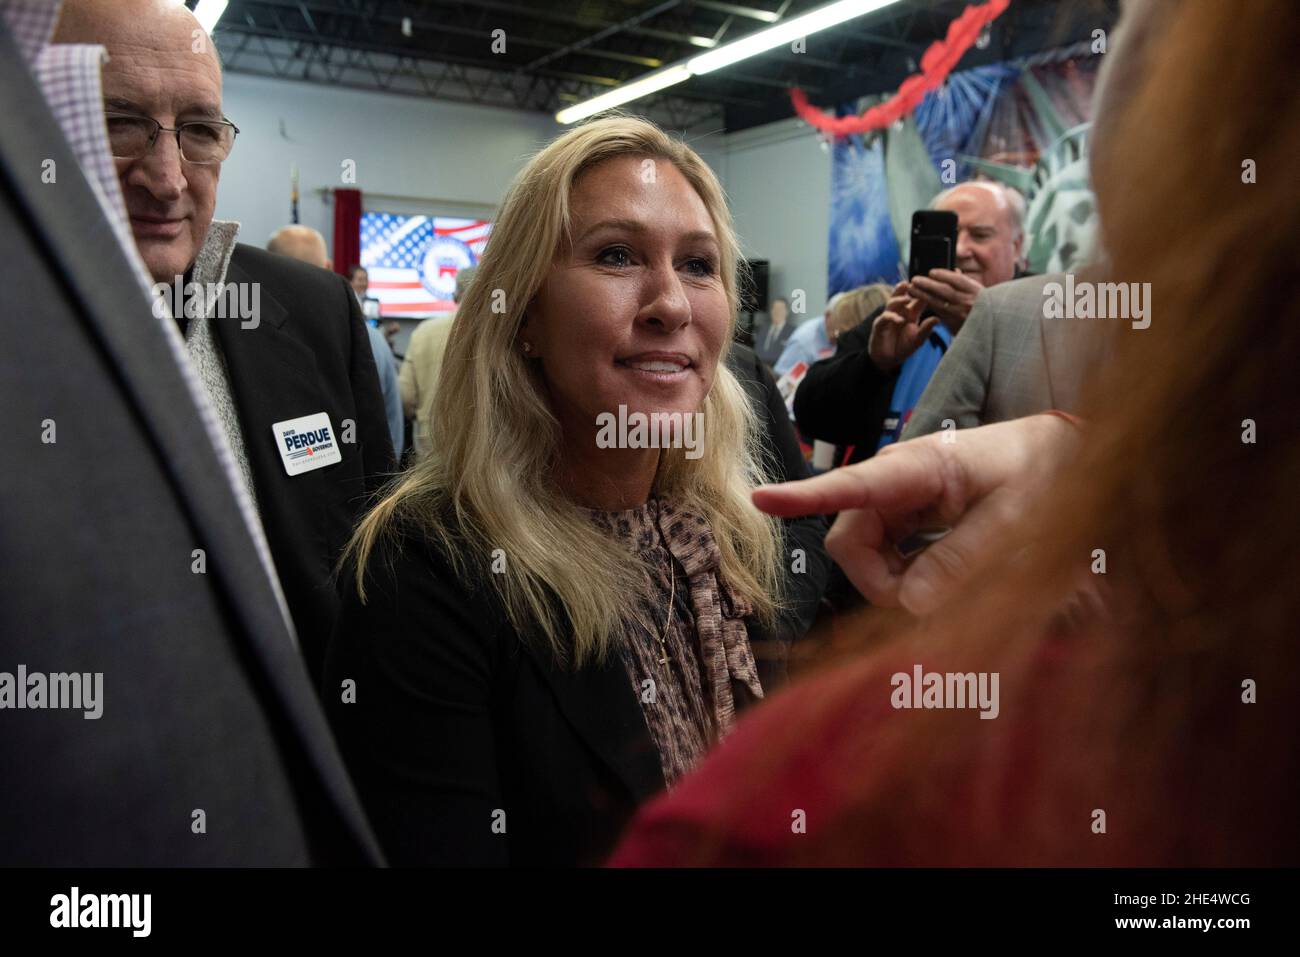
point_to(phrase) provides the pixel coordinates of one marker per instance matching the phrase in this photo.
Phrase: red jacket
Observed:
(830, 773)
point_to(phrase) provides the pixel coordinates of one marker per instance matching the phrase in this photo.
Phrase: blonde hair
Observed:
(847, 309)
(488, 484)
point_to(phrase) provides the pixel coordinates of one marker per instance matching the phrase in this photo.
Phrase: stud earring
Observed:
(528, 347)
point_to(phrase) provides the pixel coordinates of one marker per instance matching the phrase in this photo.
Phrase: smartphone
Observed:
(934, 241)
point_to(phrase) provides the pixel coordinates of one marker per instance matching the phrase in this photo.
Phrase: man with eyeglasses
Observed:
(281, 347)
(136, 569)
(166, 236)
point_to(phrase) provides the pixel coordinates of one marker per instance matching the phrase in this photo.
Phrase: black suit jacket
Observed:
(456, 721)
(458, 726)
(845, 398)
(784, 462)
(769, 352)
(308, 353)
(206, 705)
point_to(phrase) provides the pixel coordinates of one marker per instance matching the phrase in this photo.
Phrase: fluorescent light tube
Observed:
(650, 83)
(785, 32)
(209, 12)
(767, 39)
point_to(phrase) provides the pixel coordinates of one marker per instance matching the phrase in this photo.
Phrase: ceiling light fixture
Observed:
(766, 39)
(208, 12)
(644, 86)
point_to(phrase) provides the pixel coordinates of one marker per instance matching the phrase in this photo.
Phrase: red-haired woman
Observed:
(1131, 584)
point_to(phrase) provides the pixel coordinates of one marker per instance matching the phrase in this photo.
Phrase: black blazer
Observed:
(784, 462)
(457, 726)
(205, 704)
(309, 353)
(455, 719)
(845, 398)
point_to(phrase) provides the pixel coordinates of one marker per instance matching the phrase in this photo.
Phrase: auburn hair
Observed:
(1171, 705)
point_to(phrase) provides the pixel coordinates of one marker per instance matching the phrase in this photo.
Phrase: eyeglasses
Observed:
(202, 142)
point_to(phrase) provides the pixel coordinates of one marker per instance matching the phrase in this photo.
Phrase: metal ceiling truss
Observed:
(556, 55)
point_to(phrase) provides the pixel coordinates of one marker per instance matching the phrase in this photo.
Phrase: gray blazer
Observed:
(1009, 361)
(206, 705)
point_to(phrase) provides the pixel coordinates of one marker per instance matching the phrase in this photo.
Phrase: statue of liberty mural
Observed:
(1061, 218)
(996, 122)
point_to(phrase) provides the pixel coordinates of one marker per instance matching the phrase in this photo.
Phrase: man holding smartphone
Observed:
(862, 396)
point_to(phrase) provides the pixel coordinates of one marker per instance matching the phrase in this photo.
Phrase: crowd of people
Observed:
(522, 644)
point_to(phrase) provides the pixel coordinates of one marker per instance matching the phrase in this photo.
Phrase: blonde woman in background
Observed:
(847, 310)
(854, 306)
(540, 631)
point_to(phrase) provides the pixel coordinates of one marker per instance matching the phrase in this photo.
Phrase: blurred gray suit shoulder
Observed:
(208, 746)
(1009, 361)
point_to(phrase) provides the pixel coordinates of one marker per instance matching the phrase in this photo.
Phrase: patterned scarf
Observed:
(690, 701)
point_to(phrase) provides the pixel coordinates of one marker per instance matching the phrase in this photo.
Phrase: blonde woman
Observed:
(855, 306)
(548, 620)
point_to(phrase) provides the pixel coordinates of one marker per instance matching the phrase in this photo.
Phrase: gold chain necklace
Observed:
(672, 594)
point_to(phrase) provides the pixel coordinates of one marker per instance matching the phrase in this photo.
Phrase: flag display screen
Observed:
(413, 260)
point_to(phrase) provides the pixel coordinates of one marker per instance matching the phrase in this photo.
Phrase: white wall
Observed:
(461, 158)
(778, 180)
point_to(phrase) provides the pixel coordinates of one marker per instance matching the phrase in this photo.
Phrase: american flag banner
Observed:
(413, 260)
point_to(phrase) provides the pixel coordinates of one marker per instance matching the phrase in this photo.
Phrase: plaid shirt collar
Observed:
(31, 24)
(70, 77)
